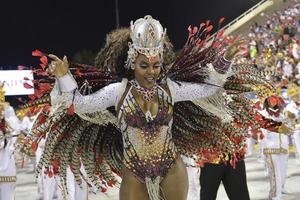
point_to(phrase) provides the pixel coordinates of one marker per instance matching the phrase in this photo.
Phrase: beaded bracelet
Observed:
(221, 65)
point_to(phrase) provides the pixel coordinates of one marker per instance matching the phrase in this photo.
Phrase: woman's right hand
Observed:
(58, 67)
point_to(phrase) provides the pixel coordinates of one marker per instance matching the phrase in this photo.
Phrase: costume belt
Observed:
(275, 151)
(8, 179)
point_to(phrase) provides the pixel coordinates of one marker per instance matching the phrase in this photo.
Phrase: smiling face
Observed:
(147, 70)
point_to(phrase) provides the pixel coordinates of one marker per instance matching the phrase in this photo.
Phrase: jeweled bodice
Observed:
(147, 140)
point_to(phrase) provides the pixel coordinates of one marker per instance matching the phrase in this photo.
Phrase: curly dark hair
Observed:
(113, 55)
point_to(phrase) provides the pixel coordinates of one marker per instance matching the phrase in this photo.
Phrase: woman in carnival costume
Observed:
(139, 126)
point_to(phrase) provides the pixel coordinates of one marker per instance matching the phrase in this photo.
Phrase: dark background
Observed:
(66, 27)
(69, 26)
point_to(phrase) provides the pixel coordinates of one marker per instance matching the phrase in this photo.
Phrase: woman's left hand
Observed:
(234, 49)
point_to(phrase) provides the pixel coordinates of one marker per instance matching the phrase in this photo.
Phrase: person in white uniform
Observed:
(275, 146)
(26, 124)
(46, 186)
(49, 187)
(8, 135)
(75, 191)
(250, 141)
(193, 177)
(292, 111)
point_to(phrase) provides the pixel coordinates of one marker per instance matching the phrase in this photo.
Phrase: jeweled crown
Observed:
(147, 35)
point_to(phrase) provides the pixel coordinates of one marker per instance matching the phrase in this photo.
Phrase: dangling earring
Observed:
(132, 66)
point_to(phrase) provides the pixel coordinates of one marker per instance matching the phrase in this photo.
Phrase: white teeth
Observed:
(150, 79)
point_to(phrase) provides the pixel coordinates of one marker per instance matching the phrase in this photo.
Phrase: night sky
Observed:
(68, 26)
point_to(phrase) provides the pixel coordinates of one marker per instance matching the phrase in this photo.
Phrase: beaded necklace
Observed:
(146, 93)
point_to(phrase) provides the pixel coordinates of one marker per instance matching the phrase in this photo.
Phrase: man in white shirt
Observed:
(275, 146)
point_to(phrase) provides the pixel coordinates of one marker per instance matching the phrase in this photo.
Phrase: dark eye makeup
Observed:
(144, 65)
(157, 65)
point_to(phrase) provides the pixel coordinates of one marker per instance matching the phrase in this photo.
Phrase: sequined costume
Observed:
(147, 137)
(148, 148)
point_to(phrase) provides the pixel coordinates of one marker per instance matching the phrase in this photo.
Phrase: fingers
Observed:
(57, 60)
(51, 67)
(57, 66)
(65, 59)
(54, 57)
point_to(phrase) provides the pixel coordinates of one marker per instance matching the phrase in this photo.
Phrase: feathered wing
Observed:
(209, 127)
(71, 140)
(214, 127)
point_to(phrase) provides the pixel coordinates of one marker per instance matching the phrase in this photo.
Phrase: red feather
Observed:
(27, 86)
(220, 33)
(43, 66)
(55, 163)
(70, 110)
(261, 136)
(54, 127)
(99, 159)
(257, 105)
(221, 20)
(281, 101)
(272, 100)
(32, 96)
(195, 29)
(44, 87)
(50, 174)
(111, 183)
(42, 119)
(38, 93)
(78, 72)
(239, 125)
(209, 28)
(34, 146)
(257, 117)
(103, 189)
(37, 53)
(200, 163)
(44, 60)
(208, 35)
(233, 162)
(207, 22)
(26, 141)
